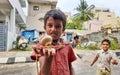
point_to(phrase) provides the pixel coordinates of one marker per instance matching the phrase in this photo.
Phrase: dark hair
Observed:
(56, 14)
(76, 37)
(106, 40)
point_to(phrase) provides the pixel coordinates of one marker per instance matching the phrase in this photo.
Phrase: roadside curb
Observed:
(12, 60)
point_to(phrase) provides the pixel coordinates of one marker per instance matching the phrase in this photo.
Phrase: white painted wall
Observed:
(12, 27)
(25, 9)
(36, 34)
(16, 4)
(11, 30)
(33, 21)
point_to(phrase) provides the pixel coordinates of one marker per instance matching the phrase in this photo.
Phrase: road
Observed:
(81, 66)
(18, 69)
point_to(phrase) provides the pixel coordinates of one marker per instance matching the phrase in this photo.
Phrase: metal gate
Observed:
(3, 37)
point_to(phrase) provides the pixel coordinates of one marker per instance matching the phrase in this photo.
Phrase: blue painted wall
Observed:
(28, 33)
(69, 36)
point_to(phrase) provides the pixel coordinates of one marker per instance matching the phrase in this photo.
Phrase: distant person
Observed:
(105, 59)
(76, 41)
(70, 41)
(54, 61)
(29, 39)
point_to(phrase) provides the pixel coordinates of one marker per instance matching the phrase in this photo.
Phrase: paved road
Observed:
(18, 69)
(81, 66)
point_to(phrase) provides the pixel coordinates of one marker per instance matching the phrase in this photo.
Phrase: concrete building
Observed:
(103, 13)
(36, 12)
(109, 25)
(92, 25)
(12, 18)
(103, 19)
(17, 14)
(106, 17)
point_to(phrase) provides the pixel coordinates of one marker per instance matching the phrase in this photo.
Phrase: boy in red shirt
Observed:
(57, 61)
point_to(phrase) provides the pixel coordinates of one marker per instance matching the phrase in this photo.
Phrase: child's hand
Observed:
(44, 51)
(114, 62)
(37, 49)
(91, 64)
(49, 51)
(45, 48)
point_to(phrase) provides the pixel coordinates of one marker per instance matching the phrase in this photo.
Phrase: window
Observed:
(106, 11)
(1, 22)
(36, 8)
(108, 15)
(98, 10)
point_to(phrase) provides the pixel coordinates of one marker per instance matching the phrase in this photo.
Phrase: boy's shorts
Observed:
(103, 72)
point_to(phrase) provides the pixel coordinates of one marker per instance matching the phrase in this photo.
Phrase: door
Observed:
(69, 37)
(3, 37)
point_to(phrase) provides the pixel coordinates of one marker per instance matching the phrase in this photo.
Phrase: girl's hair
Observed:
(106, 40)
(57, 15)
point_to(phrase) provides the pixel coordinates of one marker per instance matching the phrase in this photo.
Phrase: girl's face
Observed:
(54, 28)
(105, 46)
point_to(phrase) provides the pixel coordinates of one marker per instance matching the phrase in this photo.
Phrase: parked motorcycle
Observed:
(22, 44)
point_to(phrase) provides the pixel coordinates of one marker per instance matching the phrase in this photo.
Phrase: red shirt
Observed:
(61, 61)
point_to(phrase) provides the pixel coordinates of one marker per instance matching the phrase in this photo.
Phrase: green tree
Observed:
(22, 27)
(84, 14)
(73, 23)
(84, 11)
